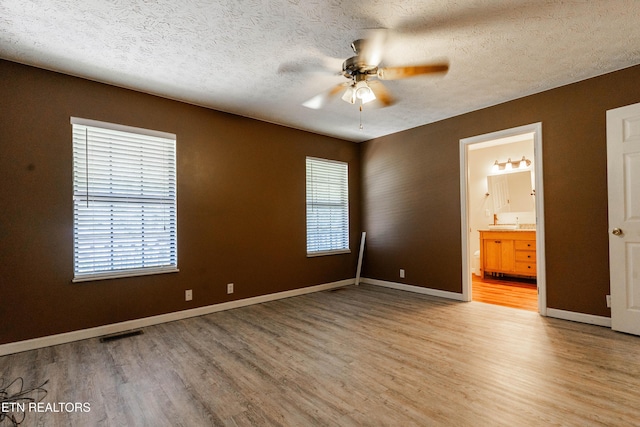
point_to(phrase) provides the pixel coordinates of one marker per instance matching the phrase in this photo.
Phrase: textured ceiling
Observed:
(264, 58)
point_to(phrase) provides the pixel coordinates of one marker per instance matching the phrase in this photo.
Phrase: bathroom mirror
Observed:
(511, 192)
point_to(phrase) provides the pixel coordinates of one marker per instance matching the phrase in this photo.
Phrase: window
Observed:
(327, 207)
(124, 201)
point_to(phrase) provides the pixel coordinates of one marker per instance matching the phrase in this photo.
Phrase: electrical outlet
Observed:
(402, 273)
(229, 288)
(188, 295)
(608, 301)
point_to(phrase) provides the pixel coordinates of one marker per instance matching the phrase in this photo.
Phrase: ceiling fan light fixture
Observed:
(364, 92)
(358, 91)
(349, 95)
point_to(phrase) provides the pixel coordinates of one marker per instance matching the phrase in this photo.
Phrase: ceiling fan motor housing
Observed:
(355, 66)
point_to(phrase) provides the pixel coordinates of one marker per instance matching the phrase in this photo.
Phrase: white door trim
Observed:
(536, 129)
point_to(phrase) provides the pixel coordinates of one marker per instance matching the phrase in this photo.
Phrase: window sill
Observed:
(323, 253)
(124, 273)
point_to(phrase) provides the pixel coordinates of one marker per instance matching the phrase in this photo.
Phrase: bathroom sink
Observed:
(503, 227)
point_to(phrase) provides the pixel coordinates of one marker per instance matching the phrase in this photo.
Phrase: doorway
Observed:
(490, 212)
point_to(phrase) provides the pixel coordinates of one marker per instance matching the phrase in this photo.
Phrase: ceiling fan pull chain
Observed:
(361, 127)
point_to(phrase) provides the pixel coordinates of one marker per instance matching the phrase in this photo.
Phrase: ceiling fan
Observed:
(365, 74)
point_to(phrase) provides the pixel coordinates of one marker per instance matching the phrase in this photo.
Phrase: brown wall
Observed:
(241, 206)
(241, 203)
(411, 192)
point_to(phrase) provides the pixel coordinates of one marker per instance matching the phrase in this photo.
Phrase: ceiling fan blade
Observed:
(321, 99)
(382, 93)
(325, 65)
(463, 16)
(395, 73)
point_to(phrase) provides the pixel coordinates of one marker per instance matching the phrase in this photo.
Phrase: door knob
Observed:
(617, 232)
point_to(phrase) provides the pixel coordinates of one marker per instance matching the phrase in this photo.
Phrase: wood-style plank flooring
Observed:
(505, 292)
(358, 356)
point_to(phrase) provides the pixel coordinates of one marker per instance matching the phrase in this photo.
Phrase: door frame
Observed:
(536, 129)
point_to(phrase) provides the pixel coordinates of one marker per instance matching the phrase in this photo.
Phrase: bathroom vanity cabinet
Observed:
(508, 252)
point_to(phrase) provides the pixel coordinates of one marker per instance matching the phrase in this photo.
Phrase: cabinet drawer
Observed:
(526, 256)
(527, 268)
(526, 244)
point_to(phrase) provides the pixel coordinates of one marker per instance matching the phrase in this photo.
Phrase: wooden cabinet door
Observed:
(492, 255)
(508, 254)
(499, 256)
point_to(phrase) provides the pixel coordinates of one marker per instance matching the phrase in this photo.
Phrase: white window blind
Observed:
(124, 201)
(327, 207)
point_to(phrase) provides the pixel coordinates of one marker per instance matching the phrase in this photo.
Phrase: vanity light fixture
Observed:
(511, 164)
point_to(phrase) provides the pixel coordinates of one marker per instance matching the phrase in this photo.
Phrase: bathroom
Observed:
(501, 204)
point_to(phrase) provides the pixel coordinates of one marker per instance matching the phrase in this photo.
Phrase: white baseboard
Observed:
(18, 346)
(579, 317)
(551, 312)
(32, 344)
(413, 288)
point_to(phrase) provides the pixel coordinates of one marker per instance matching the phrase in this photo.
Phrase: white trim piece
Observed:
(541, 278)
(121, 128)
(359, 268)
(464, 220)
(32, 344)
(591, 319)
(412, 288)
(325, 253)
(125, 273)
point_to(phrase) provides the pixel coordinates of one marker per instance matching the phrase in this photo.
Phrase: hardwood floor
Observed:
(506, 292)
(359, 356)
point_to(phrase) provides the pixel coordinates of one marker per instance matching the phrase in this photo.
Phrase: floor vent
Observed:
(119, 336)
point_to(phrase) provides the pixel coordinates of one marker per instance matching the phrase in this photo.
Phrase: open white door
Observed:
(623, 176)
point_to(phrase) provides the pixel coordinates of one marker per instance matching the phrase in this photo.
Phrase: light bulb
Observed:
(509, 165)
(523, 163)
(364, 92)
